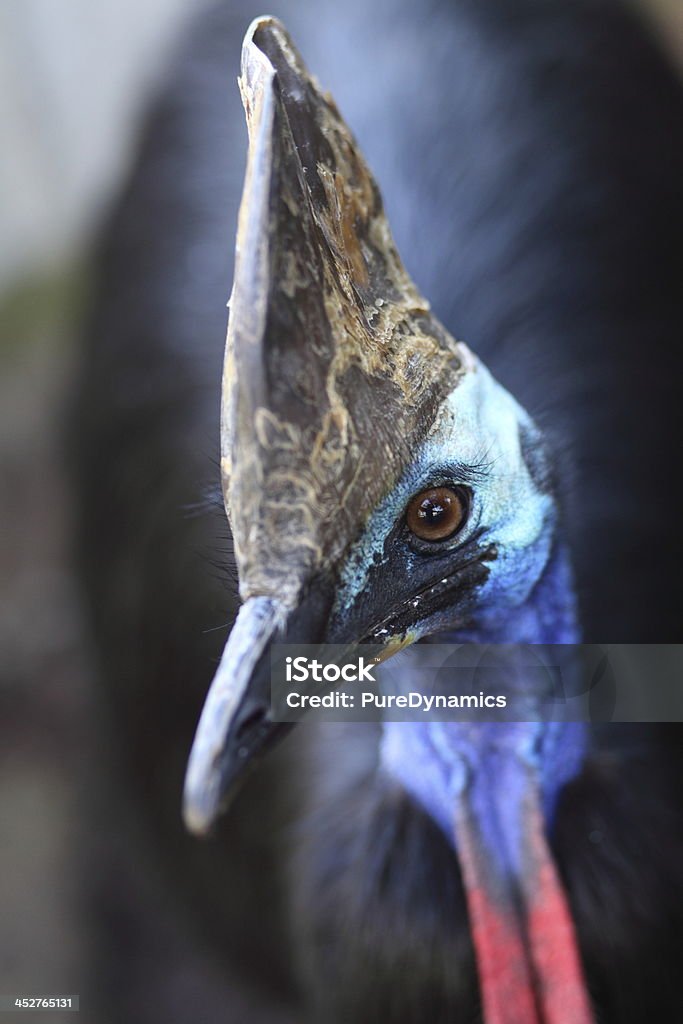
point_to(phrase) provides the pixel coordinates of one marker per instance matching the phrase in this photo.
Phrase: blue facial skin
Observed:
(435, 761)
(527, 599)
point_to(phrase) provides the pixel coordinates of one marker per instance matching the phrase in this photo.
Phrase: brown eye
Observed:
(436, 513)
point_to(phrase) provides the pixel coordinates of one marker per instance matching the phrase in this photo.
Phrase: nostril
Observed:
(251, 723)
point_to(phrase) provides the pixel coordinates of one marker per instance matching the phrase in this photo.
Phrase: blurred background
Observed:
(75, 80)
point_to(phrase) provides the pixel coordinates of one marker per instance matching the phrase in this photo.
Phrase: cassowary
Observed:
(383, 485)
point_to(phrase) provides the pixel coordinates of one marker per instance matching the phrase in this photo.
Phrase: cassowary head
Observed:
(382, 487)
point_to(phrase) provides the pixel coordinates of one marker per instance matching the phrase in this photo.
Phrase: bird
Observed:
(386, 483)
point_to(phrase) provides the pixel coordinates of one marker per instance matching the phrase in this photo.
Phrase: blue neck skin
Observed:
(436, 761)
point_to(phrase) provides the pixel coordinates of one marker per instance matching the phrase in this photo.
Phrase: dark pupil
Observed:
(432, 511)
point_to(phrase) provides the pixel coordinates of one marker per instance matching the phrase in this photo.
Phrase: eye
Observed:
(437, 513)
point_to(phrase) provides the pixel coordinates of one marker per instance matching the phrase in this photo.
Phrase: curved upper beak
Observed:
(236, 727)
(234, 724)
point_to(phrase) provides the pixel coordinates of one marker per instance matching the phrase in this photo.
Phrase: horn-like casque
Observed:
(329, 342)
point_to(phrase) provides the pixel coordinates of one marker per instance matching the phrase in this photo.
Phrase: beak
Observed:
(235, 728)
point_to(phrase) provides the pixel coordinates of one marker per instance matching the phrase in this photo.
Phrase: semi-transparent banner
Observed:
(479, 683)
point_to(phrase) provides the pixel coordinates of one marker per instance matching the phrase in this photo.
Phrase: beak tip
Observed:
(196, 822)
(200, 807)
(216, 763)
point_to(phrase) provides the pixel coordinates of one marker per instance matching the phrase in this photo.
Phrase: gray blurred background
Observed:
(75, 79)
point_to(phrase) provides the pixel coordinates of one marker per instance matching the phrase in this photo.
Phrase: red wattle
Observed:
(503, 965)
(527, 956)
(559, 981)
